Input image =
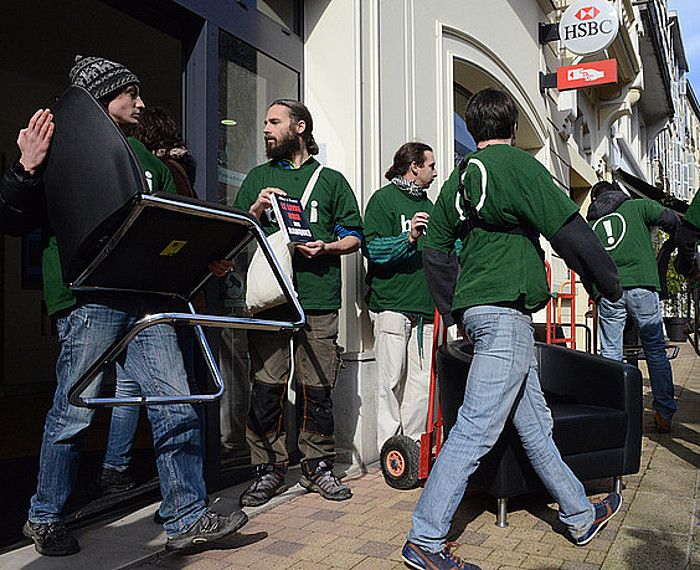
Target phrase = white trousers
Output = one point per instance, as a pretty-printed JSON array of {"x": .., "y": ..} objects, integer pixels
[{"x": 403, "y": 374}]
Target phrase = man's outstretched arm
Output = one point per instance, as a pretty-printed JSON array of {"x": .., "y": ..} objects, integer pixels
[{"x": 583, "y": 252}]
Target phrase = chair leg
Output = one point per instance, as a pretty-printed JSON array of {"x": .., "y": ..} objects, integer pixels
[
  {"x": 502, "y": 514},
  {"x": 617, "y": 482}
]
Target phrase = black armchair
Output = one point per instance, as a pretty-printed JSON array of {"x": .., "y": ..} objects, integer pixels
[{"x": 596, "y": 405}]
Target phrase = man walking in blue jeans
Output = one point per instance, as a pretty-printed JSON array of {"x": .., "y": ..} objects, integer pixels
[
  {"x": 624, "y": 227},
  {"x": 498, "y": 202},
  {"x": 89, "y": 323}
]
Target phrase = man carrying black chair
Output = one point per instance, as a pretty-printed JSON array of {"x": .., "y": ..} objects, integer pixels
[{"x": 87, "y": 324}]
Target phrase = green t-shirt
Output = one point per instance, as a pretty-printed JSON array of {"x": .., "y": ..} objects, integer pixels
[
  {"x": 56, "y": 293},
  {"x": 692, "y": 216},
  {"x": 398, "y": 284},
  {"x": 626, "y": 237},
  {"x": 331, "y": 204},
  {"x": 497, "y": 267}
]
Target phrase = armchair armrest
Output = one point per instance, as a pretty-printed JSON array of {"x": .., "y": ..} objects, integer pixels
[{"x": 574, "y": 377}]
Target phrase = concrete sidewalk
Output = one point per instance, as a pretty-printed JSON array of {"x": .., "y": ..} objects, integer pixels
[{"x": 657, "y": 528}]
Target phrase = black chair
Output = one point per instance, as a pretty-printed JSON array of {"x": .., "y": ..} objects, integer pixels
[
  {"x": 596, "y": 405},
  {"x": 113, "y": 235}
]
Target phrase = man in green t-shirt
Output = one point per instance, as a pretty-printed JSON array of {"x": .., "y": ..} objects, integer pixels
[
  {"x": 336, "y": 225},
  {"x": 499, "y": 201},
  {"x": 624, "y": 227},
  {"x": 400, "y": 304},
  {"x": 87, "y": 324}
]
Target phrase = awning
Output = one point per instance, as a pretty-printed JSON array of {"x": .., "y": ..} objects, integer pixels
[{"x": 645, "y": 190}]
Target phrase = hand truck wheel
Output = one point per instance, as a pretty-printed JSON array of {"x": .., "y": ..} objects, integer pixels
[{"x": 400, "y": 457}]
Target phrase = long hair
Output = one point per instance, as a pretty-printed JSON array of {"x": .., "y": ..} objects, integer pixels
[
  {"x": 158, "y": 132},
  {"x": 407, "y": 154},
  {"x": 299, "y": 112},
  {"x": 157, "y": 129}
]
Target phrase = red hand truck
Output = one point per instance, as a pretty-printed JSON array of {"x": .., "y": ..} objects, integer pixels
[{"x": 405, "y": 463}]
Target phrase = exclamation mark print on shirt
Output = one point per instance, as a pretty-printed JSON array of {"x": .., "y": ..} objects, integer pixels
[
  {"x": 314, "y": 212},
  {"x": 607, "y": 225},
  {"x": 149, "y": 180}
]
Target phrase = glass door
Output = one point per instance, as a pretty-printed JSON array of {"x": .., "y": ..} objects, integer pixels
[{"x": 249, "y": 81}]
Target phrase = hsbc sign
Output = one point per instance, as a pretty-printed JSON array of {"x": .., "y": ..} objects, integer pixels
[
  {"x": 588, "y": 26},
  {"x": 587, "y": 74}
]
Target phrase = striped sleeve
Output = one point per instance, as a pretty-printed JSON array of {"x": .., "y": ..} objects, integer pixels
[{"x": 389, "y": 250}]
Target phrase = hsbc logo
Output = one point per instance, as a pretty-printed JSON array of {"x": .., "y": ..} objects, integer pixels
[
  {"x": 588, "y": 26},
  {"x": 588, "y": 13}
]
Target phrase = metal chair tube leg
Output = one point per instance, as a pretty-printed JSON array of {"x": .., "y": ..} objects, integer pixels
[
  {"x": 617, "y": 482},
  {"x": 502, "y": 513}
]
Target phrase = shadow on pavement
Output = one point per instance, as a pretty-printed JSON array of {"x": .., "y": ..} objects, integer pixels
[{"x": 182, "y": 559}]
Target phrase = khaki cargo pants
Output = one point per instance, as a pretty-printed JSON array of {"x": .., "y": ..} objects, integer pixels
[{"x": 317, "y": 362}]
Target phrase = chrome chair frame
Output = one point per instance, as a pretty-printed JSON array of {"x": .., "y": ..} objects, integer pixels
[{"x": 192, "y": 318}]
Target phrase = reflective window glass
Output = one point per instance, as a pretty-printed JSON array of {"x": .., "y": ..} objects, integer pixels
[
  {"x": 284, "y": 12},
  {"x": 248, "y": 82}
]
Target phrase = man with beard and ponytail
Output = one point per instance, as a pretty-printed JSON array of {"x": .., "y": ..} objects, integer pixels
[
  {"x": 335, "y": 221},
  {"x": 399, "y": 300}
]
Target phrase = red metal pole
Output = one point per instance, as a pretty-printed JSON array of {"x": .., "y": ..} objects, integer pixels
[
  {"x": 438, "y": 423},
  {"x": 548, "y": 312},
  {"x": 573, "y": 310},
  {"x": 433, "y": 376}
]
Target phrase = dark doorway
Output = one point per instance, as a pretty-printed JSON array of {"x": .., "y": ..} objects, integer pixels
[{"x": 45, "y": 36}]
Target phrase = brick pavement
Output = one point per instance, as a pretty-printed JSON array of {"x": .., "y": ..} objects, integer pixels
[{"x": 657, "y": 527}]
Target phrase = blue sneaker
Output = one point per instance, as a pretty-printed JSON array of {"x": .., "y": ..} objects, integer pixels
[
  {"x": 416, "y": 557},
  {"x": 604, "y": 511}
]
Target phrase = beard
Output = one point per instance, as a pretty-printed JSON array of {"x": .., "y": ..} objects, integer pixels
[{"x": 284, "y": 148}]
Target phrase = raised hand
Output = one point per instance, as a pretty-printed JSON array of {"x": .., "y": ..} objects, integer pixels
[
  {"x": 419, "y": 225},
  {"x": 35, "y": 140}
]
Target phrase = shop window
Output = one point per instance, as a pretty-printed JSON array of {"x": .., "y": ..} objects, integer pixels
[
  {"x": 464, "y": 142},
  {"x": 248, "y": 82}
]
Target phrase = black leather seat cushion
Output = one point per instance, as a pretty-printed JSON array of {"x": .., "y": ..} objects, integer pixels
[{"x": 580, "y": 428}]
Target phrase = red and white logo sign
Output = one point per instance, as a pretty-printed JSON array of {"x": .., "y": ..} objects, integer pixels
[
  {"x": 587, "y": 13},
  {"x": 587, "y": 74},
  {"x": 588, "y": 26}
]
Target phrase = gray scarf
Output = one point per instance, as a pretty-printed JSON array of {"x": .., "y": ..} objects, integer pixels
[{"x": 408, "y": 186}]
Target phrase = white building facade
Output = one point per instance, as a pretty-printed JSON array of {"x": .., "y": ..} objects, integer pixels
[{"x": 402, "y": 70}]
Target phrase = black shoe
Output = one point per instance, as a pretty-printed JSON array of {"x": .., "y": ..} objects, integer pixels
[
  {"x": 51, "y": 539},
  {"x": 324, "y": 482},
  {"x": 269, "y": 480},
  {"x": 113, "y": 481},
  {"x": 210, "y": 527},
  {"x": 160, "y": 519}
]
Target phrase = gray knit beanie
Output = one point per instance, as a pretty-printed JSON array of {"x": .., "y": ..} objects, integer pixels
[{"x": 99, "y": 76}]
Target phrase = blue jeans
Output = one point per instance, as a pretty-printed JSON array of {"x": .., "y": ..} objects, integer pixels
[
  {"x": 644, "y": 308},
  {"x": 155, "y": 361},
  {"x": 503, "y": 383},
  {"x": 125, "y": 419},
  {"x": 123, "y": 425}
]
